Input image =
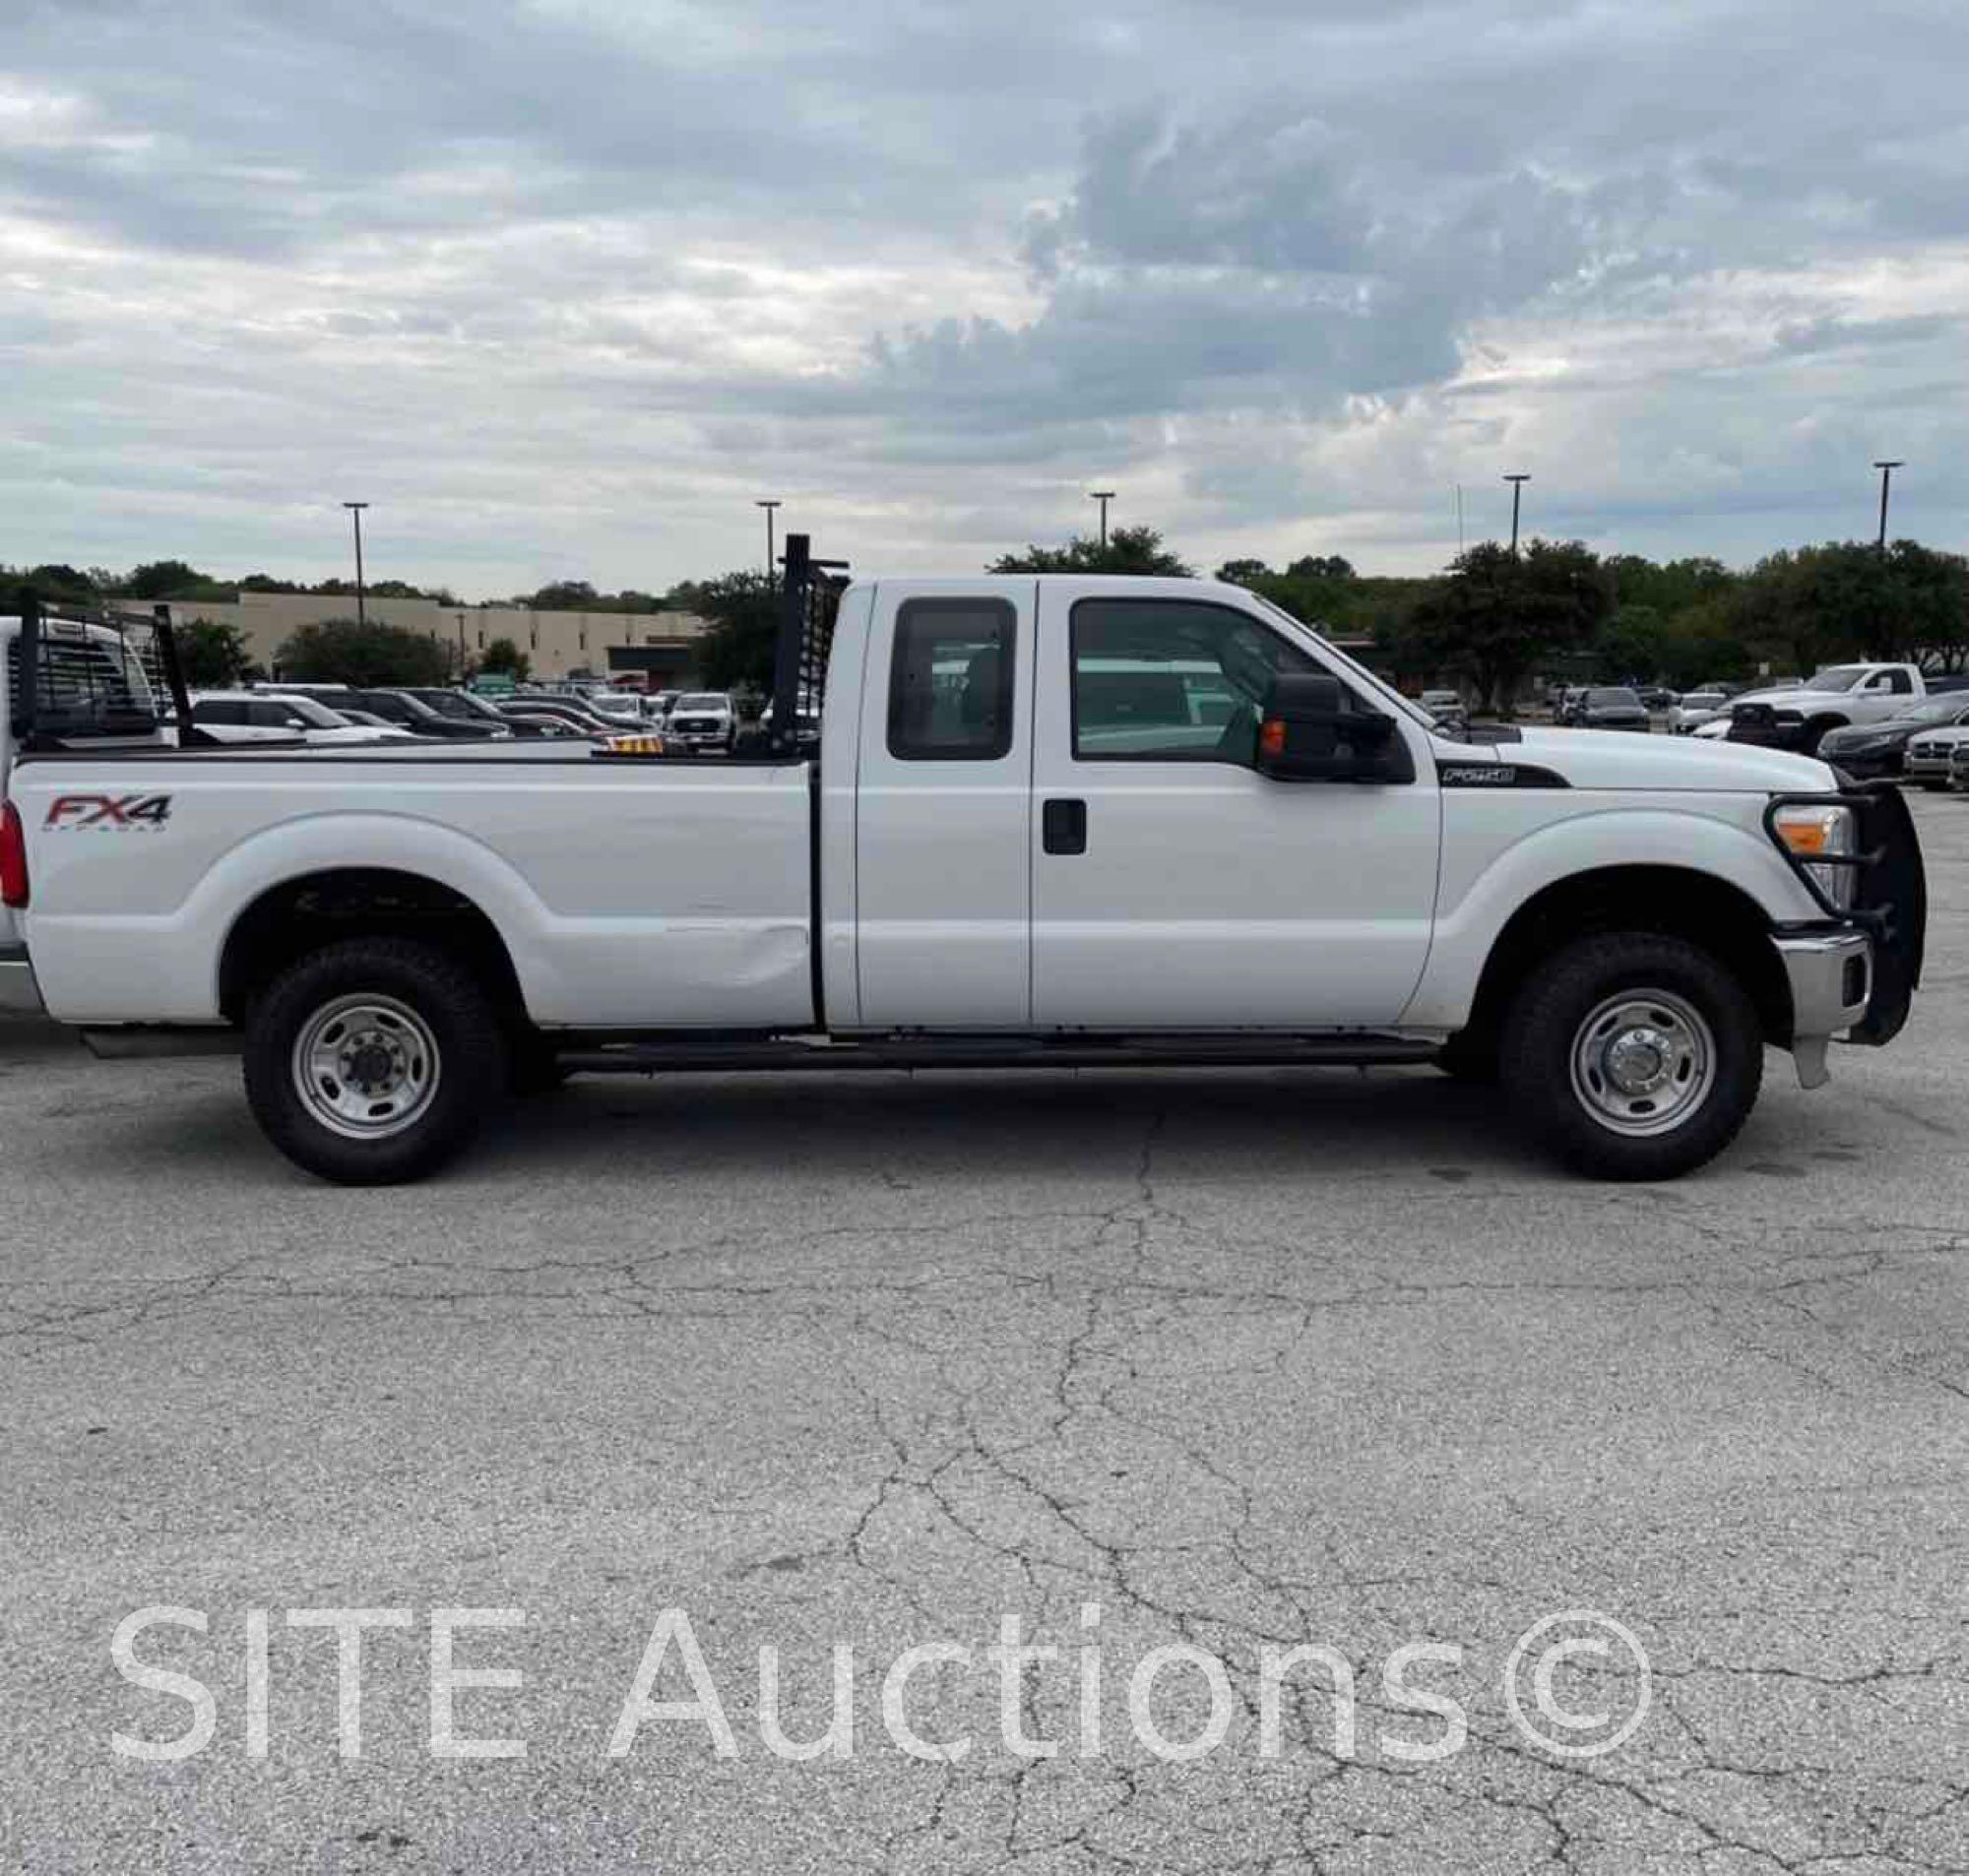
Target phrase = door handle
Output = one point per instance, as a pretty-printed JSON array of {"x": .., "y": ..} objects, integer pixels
[{"x": 1063, "y": 827}]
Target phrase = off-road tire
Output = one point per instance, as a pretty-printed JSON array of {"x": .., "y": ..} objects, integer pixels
[
  {"x": 1546, "y": 1021},
  {"x": 447, "y": 998}
]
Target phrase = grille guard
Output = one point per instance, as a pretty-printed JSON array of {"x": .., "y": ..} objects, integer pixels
[{"x": 1889, "y": 896}]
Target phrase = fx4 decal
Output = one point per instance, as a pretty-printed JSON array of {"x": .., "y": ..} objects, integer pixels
[{"x": 146, "y": 813}]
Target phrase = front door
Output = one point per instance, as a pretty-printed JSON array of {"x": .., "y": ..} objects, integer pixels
[{"x": 1175, "y": 887}]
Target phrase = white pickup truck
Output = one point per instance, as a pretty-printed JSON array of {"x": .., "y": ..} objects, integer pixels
[
  {"x": 1052, "y": 822},
  {"x": 1796, "y": 716}
]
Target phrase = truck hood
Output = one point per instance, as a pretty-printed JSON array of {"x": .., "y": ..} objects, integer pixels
[
  {"x": 1795, "y": 699},
  {"x": 1611, "y": 758}
]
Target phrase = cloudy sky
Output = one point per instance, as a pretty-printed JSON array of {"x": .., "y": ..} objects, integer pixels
[{"x": 562, "y": 285}]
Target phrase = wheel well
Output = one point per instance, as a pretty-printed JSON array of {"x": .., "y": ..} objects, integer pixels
[
  {"x": 303, "y": 915},
  {"x": 1674, "y": 901}
]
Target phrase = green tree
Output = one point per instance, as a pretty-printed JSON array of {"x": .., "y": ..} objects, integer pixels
[
  {"x": 170, "y": 579},
  {"x": 1244, "y": 572},
  {"x": 344, "y": 651},
  {"x": 503, "y": 656},
  {"x": 743, "y": 611},
  {"x": 212, "y": 657},
  {"x": 55, "y": 580},
  {"x": 1499, "y": 615},
  {"x": 1136, "y": 550}
]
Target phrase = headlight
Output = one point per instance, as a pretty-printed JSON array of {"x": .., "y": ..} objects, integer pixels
[{"x": 1807, "y": 830}]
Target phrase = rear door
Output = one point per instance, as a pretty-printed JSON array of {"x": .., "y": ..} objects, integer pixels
[
  {"x": 1175, "y": 887},
  {"x": 943, "y": 815}
]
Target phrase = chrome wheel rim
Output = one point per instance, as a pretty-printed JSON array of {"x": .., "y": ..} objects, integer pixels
[
  {"x": 1644, "y": 1062},
  {"x": 366, "y": 1067}
]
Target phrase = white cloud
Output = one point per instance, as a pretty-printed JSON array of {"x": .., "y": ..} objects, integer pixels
[{"x": 561, "y": 287}]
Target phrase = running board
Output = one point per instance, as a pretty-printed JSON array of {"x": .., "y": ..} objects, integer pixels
[{"x": 825, "y": 1054}]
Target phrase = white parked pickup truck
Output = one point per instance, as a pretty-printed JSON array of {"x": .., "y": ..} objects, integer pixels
[
  {"x": 1052, "y": 822},
  {"x": 1794, "y": 717}
]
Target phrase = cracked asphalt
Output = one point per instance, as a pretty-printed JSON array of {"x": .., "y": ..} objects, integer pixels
[{"x": 1242, "y": 1361}]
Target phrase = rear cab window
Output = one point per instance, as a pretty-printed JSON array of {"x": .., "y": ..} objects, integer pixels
[{"x": 950, "y": 680}]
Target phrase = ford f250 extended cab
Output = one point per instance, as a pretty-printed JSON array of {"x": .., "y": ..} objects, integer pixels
[{"x": 1050, "y": 822}]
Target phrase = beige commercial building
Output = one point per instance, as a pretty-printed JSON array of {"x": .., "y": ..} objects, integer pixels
[{"x": 665, "y": 645}]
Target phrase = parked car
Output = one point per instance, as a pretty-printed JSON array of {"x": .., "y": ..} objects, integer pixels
[
  {"x": 1695, "y": 708},
  {"x": 1027, "y": 865},
  {"x": 257, "y": 717},
  {"x": 1608, "y": 707},
  {"x": 1447, "y": 707},
  {"x": 411, "y": 713},
  {"x": 1929, "y": 761},
  {"x": 567, "y": 709},
  {"x": 702, "y": 719},
  {"x": 1959, "y": 767},
  {"x": 1867, "y": 751},
  {"x": 467, "y": 706},
  {"x": 1658, "y": 696}
]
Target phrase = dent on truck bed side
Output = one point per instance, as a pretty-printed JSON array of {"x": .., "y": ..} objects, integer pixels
[{"x": 1500, "y": 850}]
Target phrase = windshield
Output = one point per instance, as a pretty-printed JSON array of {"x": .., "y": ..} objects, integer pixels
[
  {"x": 1702, "y": 700},
  {"x": 315, "y": 716},
  {"x": 1612, "y": 700},
  {"x": 1837, "y": 677},
  {"x": 450, "y": 704},
  {"x": 703, "y": 699}
]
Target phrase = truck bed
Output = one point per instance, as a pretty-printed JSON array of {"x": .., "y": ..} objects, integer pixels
[{"x": 630, "y": 892}]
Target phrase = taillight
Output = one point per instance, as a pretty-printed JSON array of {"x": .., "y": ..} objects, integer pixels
[{"x": 13, "y": 858}]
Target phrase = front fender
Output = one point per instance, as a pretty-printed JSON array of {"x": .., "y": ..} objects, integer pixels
[{"x": 1492, "y": 864}]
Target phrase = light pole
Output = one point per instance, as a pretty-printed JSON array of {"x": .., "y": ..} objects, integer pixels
[
  {"x": 768, "y": 507},
  {"x": 1104, "y": 496},
  {"x": 1886, "y": 478},
  {"x": 355, "y": 515},
  {"x": 1517, "y": 483}
]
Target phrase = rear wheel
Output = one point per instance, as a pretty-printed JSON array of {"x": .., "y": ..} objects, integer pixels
[
  {"x": 1636, "y": 1055},
  {"x": 373, "y": 1061}
]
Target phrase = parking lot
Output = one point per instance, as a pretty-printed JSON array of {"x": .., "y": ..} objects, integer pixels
[{"x": 1241, "y": 1360}]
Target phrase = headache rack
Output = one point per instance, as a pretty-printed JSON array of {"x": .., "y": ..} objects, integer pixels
[
  {"x": 78, "y": 674},
  {"x": 809, "y": 600}
]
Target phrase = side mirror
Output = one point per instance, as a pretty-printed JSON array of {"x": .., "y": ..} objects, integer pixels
[{"x": 1310, "y": 734}]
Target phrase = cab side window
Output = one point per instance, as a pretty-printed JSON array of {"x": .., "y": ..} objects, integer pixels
[
  {"x": 950, "y": 680},
  {"x": 1171, "y": 680}
]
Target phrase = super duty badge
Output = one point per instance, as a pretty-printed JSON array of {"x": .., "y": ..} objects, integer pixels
[{"x": 1496, "y": 775}]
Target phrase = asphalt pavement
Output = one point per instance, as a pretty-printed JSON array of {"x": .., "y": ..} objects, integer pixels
[{"x": 1224, "y": 1364}]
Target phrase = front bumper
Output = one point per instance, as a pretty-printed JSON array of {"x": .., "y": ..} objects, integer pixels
[
  {"x": 20, "y": 994},
  {"x": 1864, "y": 765},
  {"x": 1831, "y": 977}
]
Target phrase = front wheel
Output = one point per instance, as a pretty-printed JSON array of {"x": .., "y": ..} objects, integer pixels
[
  {"x": 1638, "y": 1056},
  {"x": 373, "y": 1061}
]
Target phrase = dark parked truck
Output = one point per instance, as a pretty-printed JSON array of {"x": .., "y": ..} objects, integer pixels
[{"x": 1052, "y": 822}]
